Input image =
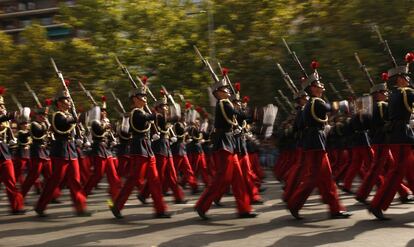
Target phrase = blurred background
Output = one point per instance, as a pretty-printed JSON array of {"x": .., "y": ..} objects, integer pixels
[{"x": 156, "y": 38}]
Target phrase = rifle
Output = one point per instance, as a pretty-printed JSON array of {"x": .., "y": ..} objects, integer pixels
[
  {"x": 295, "y": 58},
  {"x": 364, "y": 69},
  {"x": 207, "y": 65},
  {"x": 148, "y": 89},
  {"x": 286, "y": 99},
  {"x": 16, "y": 101},
  {"x": 88, "y": 94},
  {"x": 118, "y": 101},
  {"x": 126, "y": 71},
  {"x": 289, "y": 82},
  {"x": 279, "y": 103},
  {"x": 39, "y": 105},
  {"x": 336, "y": 92},
  {"x": 73, "y": 108},
  {"x": 343, "y": 79},
  {"x": 385, "y": 44},
  {"x": 134, "y": 85},
  {"x": 226, "y": 77}
]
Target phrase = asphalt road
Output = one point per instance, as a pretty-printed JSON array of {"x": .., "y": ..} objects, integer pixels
[{"x": 273, "y": 227}]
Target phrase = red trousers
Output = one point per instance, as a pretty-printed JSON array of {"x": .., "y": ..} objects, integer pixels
[
  {"x": 84, "y": 169},
  {"x": 294, "y": 176},
  {"x": 20, "y": 165},
  {"x": 210, "y": 165},
  {"x": 317, "y": 174},
  {"x": 344, "y": 161},
  {"x": 249, "y": 177},
  {"x": 361, "y": 161},
  {"x": 102, "y": 166},
  {"x": 168, "y": 178},
  {"x": 182, "y": 164},
  {"x": 199, "y": 165},
  {"x": 38, "y": 166},
  {"x": 228, "y": 173},
  {"x": 142, "y": 168},
  {"x": 66, "y": 171},
  {"x": 7, "y": 177},
  {"x": 282, "y": 164},
  {"x": 401, "y": 166},
  {"x": 123, "y": 165},
  {"x": 256, "y": 166}
]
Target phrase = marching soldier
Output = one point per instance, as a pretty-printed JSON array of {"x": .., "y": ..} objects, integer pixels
[
  {"x": 143, "y": 164},
  {"x": 316, "y": 162},
  {"x": 6, "y": 164},
  {"x": 22, "y": 155},
  {"x": 225, "y": 158},
  {"x": 400, "y": 138},
  {"x": 163, "y": 155},
  {"x": 39, "y": 151},
  {"x": 64, "y": 159},
  {"x": 101, "y": 154}
]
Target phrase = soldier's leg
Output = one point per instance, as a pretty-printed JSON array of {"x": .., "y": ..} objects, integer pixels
[
  {"x": 34, "y": 173},
  {"x": 113, "y": 178},
  {"x": 76, "y": 190},
  {"x": 99, "y": 165},
  {"x": 171, "y": 180},
  {"x": 151, "y": 174},
  {"x": 9, "y": 180}
]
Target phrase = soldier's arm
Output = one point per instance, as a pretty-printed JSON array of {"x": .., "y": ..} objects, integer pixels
[
  {"x": 6, "y": 117},
  {"x": 97, "y": 127}
]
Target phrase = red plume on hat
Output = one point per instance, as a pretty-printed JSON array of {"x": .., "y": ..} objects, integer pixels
[
  {"x": 384, "y": 76},
  {"x": 103, "y": 98},
  {"x": 205, "y": 115},
  {"x": 199, "y": 109},
  {"x": 246, "y": 99},
  {"x": 187, "y": 105},
  {"x": 162, "y": 92},
  {"x": 314, "y": 64},
  {"x": 67, "y": 82},
  {"x": 144, "y": 79},
  {"x": 237, "y": 86},
  {"x": 224, "y": 71},
  {"x": 409, "y": 57},
  {"x": 48, "y": 102},
  {"x": 2, "y": 90}
]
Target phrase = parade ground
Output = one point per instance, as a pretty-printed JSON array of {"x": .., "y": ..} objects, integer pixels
[{"x": 273, "y": 227}]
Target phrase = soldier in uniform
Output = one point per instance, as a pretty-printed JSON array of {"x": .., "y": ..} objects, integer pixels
[
  {"x": 225, "y": 158},
  {"x": 101, "y": 154},
  {"x": 143, "y": 164},
  {"x": 6, "y": 165},
  {"x": 400, "y": 138},
  {"x": 64, "y": 159},
  {"x": 163, "y": 155},
  {"x": 316, "y": 163},
  {"x": 39, "y": 151},
  {"x": 122, "y": 152},
  {"x": 22, "y": 155}
]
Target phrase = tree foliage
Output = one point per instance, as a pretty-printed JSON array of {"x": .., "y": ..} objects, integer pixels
[{"x": 156, "y": 38}]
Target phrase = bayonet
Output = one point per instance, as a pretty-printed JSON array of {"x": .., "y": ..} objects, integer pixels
[{"x": 364, "y": 69}]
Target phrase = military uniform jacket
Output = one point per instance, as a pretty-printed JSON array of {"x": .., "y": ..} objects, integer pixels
[
  {"x": 123, "y": 147},
  {"x": 63, "y": 124},
  {"x": 39, "y": 148},
  {"x": 298, "y": 126},
  {"x": 400, "y": 109},
  {"x": 140, "y": 128},
  {"x": 100, "y": 145},
  {"x": 195, "y": 146},
  {"x": 225, "y": 120},
  {"x": 379, "y": 117},
  {"x": 162, "y": 145},
  {"x": 178, "y": 148},
  {"x": 4, "y": 148},
  {"x": 360, "y": 126},
  {"x": 315, "y": 118},
  {"x": 23, "y": 144}
]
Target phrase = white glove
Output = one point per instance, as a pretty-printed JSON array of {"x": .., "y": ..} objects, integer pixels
[
  {"x": 237, "y": 131},
  {"x": 12, "y": 142},
  {"x": 173, "y": 139},
  {"x": 155, "y": 137},
  {"x": 79, "y": 142}
]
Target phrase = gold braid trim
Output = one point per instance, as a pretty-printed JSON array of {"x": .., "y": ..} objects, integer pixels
[
  {"x": 223, "y": 111},
  {"x": 56, "y": 129},
  {"x": 320, "y": 120},
  {"x": 405, "y": 100},
  {"x": 35, "y": 137},
  {"x": 381, "y": 109},
  {"x": 131, "y": 123}
]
